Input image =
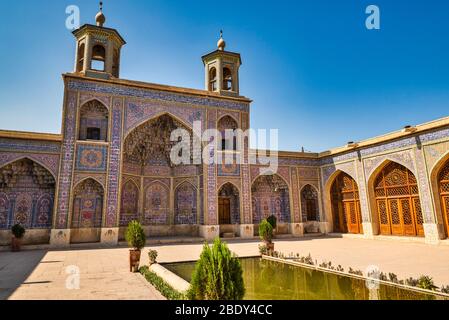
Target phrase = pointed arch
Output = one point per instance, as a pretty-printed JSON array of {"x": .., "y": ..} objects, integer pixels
[
  {"x": 93, "y": 121},
  {"x": 270, "y": 195},
  {"x": 224, "y": 124},
  {"x": 129, "y": 202},
  {"x": 157, "y": 115},
  {"x": 395, "y": 202},
  {"x": 228, "y": 204},
  {"x": 33, "y": 159},
  {"x": 156, "y": 203},
  {"x": 151, "y": 143},
  {"x": 309, "y": 196},
  {"x": 375, "y": 171},
  {"x": 186, "y": 206},
  {"x": 24, "y": 184},
  {"x": 343, "y": 210},
  {"x": 439, "y": 176},
  {"x": 88, "y": 203}
]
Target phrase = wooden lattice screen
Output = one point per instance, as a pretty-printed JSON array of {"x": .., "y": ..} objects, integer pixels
[
  {"x": 346, "y": 205},
  {"x": 398, "y": 204}
]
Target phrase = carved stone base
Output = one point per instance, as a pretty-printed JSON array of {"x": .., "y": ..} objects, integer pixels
[
  {"x": 60, "y": 238},
  {"x": 246, "y": 231},
  {"x": 296, "y": 229},
  {"x": 368, "y": 230},
  {"x": 432, "y": 233},
  {"x": 109, "y": 236},
  {"x": 209, "y": 233},
  {"x": 324, "y": 227}
]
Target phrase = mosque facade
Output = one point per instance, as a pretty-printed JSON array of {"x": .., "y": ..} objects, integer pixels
[{"x": 113, "y": 163}]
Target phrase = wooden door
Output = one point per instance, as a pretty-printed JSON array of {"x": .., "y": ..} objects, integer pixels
[
  {"x": 443, "y": 179},
  {"x": 346, "y": 205},
  {"x": 445, "y": 210},
  {"x": 224, "y": 210},
  {"x": 352, "y": 216},
  {"x": 395, "y": 219},
  {"x": 398, "y": 204}
]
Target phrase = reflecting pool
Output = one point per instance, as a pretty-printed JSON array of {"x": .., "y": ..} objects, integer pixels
[{"x": 270, "y": 280}]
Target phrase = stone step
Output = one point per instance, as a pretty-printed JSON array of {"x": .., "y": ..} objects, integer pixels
[{"x": 228, "y": 235}]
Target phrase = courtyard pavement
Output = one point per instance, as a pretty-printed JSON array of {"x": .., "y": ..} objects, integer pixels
[{"x": 104, "y": 273}]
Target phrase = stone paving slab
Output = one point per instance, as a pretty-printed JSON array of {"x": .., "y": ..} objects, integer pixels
[
  {"x": 104, "y": 273},
  {"x": 42, "y": 275}
]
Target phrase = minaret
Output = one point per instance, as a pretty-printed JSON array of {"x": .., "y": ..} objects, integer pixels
[
  {"x": 222, "y": 70},
  {"x": 98, "y": 49}
]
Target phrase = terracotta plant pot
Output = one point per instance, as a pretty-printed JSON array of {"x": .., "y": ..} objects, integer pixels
[
  {"x": 134, "y": 260},
  {"x": 15, "y": 244},
  {"x": 270, "y": 248}
]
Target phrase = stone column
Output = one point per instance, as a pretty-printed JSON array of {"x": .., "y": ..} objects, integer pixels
[
  {"x": 110, "y": 230},
  {"x": 246, "y": 226},
  {"x": 210, "y": 229},
  {"x": 367, "y": 221},
  {"x": 296, "y": 227},
  {"x": 60, "y": 234},
  {"x": 432, "y": 233},
  {"x": 88, "y": 54},
  {"x": 109, "y": 57}
]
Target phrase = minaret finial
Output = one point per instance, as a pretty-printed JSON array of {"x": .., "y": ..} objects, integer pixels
[
  {"x": 221, "y": 43},
  {"x": 100, "y": 18}
]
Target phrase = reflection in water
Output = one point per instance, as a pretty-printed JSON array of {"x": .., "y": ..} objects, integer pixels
[{"x": 269, "y": 280}]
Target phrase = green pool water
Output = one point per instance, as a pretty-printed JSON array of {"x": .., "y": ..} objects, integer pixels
[{"x": 269, "y": 280}]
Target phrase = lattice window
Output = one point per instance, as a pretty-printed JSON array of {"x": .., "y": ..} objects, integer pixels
[
  {"x": 419, "y": 218},
  {"x": 394, "y": 210},
  {"x": 406, "y": 212},
  {"x": 444, "y": 174},
  {"x": 383, "y": 211}
]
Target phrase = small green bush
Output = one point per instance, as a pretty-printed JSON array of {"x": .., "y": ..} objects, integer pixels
[
  {"x": 356, "y": 272},
  {"x": 411, "y": 282},
  {"x": 263, "y": 250},
  {"x": 265, "y": 231},
  {"x": 163, "y": 287},
  {"x": 218, "y": 275},
  {"x": 426, "y": 282},
  {"x": 272, "y": 220},
  {"x": 152, "y": 256},
  {"x": 445, "y": 289},
  {"x": 18, "y": 231},
  {"x": 135, "y": 236}
]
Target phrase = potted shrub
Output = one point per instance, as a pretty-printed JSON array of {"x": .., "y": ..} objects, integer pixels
[
  {"x": 17, "y": 234},
  {"x": 266, "y": 234},
  {"x": 152, "y": 256},
  {"x": 135, "y": 236},
  {"x": 273, "y": 221}
]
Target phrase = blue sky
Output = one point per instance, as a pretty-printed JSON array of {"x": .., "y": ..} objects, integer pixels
[{"x": 312, "y": 68}]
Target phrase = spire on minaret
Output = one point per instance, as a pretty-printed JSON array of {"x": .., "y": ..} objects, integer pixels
[
  {"x": 100, "y": 18},
  {"x": 221, "y": 43}
]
